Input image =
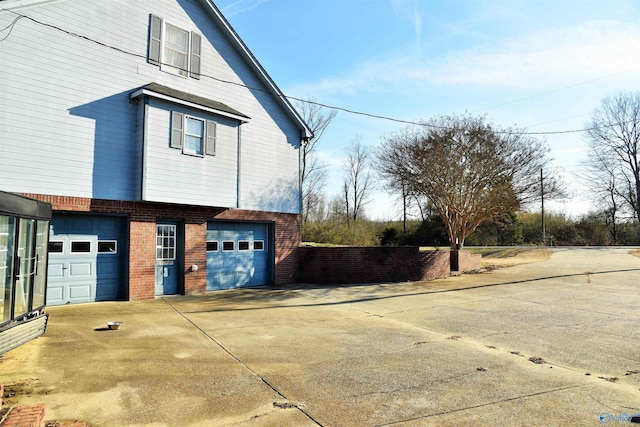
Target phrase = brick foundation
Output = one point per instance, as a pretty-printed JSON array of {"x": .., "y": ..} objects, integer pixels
[{"x": 142, "y": 218}]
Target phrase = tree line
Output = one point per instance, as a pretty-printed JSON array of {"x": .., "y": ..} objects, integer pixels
[{"x": 470, "y": 180}]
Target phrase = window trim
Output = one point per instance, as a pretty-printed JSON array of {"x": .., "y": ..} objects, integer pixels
[
  {"x": 157, "y": 43},
  {"x": 166, "y": 65},
  {"x": 56, "y": 252},
  {"x": 115, "y": 242},
  {"x": 217, "y": 249},
  {"x": 72, "y": 252},
  {"x": 248, "y": 244},
  {"x": 208, "y": 141},
  {"x": 201, "y": 138},
  {"x": 254, "y": 245},
  {"x": 233, "y": 245}
]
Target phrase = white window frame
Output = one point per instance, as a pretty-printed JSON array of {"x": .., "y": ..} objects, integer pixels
[
  {"x": 72, "y": 252},
  {"x": 217, "y": 246},
  {"x": 158, "y": 33},
  {"x": 254, "y": 245},
  {"x": 179, "y": 134},
  {"x": 115, "y": 246},
  {"x": 201, "y": 137},
  {"x": 166, "y": 64}
]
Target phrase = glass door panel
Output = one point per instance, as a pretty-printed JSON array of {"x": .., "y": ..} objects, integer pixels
[
  {"x": 26, "y": 258},
  {"x": 7, "y": 247},
  {"x": 40, "y": 276}
]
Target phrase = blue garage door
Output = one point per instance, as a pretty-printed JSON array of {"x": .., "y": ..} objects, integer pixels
[
  {"x": 85, "y": 259},
  {"x": 238, "y": 255}
]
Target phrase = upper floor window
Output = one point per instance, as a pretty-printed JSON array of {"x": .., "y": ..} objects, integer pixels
[
  {"x": 193, "y": 135},
  {"x": 174, "y": 49}
]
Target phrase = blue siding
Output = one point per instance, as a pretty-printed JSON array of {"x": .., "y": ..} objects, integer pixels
[{"x": 71, "y": 117}]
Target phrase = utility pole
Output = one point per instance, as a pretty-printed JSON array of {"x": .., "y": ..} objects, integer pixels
[{"x": 544, "y": 233}]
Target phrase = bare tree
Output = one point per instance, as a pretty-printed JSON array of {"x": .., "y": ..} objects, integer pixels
[
  {"x": 389, "y": 162},
  {"x": 469, "y": 170},
  {"x": 313, "y": 174},
  {"x": 358, "y": 181},
  {"x": 613, "y": 161},
  {"x": 598, "y": 173}
]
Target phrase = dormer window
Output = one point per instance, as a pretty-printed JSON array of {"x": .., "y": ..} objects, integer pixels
[
  {"x": 174, "y": 49},
  {"x": 193, "y": 135}
]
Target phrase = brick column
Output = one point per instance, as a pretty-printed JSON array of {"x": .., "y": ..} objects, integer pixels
[
  {"x": 195, "y": 253},
  {"x": 142, "y": 259}
]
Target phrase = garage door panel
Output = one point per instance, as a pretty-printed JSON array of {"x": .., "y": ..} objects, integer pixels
[
  {"x": 80, "y": 269},
  {"x": 80, "y": 292},
  {"x": 55, "y": 295},
  {"x": 54, "y": 269},
  {"x": 243, "y": 265}
]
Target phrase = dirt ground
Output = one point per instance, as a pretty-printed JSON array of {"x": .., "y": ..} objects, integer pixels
[{"x": 521, "y": 257}]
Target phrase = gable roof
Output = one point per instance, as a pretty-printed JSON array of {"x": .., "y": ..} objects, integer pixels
[
  {"x": 230, "y": 33},
  {"x": 216, "y": 15}
]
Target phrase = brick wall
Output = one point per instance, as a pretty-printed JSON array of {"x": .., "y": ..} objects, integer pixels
[
  {"x": 371, "y": 264},
  {"x": 468, "y": 261},
  {"x": 142, "y": 217}
]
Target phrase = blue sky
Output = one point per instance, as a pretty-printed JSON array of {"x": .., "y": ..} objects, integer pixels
[{"x": 543, "y": 65}]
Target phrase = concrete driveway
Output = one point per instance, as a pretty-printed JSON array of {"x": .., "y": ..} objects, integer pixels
[{"x": 548, "y": 343}]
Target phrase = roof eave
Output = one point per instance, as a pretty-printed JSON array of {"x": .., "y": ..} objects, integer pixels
[{"x": 305, "y": 132}]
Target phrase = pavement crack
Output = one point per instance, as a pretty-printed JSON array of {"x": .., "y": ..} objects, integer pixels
[
  {"x": 483, "y": 405},
  {"x": 241, "y": 363}
]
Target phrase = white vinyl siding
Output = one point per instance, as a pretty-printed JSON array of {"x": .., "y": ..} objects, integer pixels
[
  {"x": 79, "y": 97},
  {"x": 211, "y": 180}
]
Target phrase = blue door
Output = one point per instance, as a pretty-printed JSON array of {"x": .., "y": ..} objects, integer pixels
[
  {"x": 238, "y": 255},
  {"x": 85, "y": 259},
  {"x": 167, "y": 265}
]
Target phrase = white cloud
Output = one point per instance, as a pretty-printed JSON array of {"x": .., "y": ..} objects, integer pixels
[
  {"x": 241, "y": 6},
  {"x": 544, "y": 59},
  {"x": 548, "y": 59}
]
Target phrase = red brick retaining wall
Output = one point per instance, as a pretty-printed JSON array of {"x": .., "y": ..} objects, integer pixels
[{"x": 371, "y": 264}]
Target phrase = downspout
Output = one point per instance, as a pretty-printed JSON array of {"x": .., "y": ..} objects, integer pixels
[
  {"x": 145, "y": 113},
  {"x": 239, "y": 169},
  {"x": 303, "y": 141}
]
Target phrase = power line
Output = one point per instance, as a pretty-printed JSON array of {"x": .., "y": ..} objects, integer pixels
[{"x": 282, "y": 95}]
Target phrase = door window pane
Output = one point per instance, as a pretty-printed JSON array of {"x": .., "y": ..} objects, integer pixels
[
  {"x": 165, "y": 242},
  {"x": 26, "y": 257},
  {"x": 83, "y": 247},
  {"x": 56, "y": 247},
  {"x": 107, "y": 247},
  {"x": 7, "y": 246},
  {"x": 212, "y": 246},
  {"x": 243, "y": 245},
  {"x": 42, "y": 236},
  {"x": 227, "y": 246}
]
